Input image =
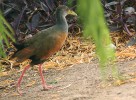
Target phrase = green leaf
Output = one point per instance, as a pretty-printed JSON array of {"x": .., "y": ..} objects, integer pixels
[
  {"x": 6, "y": 33},
  {"x": 94, "y": 25}
]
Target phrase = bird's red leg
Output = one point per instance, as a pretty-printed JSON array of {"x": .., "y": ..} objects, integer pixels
[
  {"x": 45, "y": 86},
  {"x": 20, "y": 79}
]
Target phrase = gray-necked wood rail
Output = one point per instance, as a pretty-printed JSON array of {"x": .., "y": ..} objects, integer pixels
[{"x": 44, "y": 44}]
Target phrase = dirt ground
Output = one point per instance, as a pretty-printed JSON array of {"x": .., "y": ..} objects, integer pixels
[{"x": 79, "y": 82}]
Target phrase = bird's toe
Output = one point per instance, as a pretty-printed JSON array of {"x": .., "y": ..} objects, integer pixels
[
  {"x": 20, "y": 92},
  {"x": 47, "y": 87}
]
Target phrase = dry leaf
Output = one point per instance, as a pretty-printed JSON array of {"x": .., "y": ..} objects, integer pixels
[
  {"x": 132, "y": 80},
  {"x": 119, "y": 82},
  {"x": 5, "y": 83},
  {"x": 31, "y": 83},
  {"x": 3, "y": 74}
]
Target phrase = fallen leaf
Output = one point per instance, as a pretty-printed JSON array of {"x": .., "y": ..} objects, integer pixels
[
  {"x": 31, "y": 83},
  {"x": 5, "y": 83},
  {"x": 3, "y": 74},
  {"x": 119, "y": 82}
]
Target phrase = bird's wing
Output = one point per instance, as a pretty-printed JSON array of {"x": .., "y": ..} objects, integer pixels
[{"x": 23, "y": 54}]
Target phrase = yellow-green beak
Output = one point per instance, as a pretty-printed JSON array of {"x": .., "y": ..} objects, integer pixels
[{"x": 71, "y": 12}]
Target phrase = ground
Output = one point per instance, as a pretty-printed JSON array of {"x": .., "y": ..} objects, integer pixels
[{"x": 78, "y": 82}]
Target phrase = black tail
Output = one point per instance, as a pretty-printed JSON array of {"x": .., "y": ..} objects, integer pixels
[{"x": 19, "y": 46}]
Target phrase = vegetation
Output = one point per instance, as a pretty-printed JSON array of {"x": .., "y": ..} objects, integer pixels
[
  {"x": 6, "y": 33},
  {"x": 95, "y": 26},
  {"x": 101, "y": 33},
  {"x": 28, "y": 16}
]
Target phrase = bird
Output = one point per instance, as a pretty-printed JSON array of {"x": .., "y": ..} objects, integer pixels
[{"x": 43, "y": 45}]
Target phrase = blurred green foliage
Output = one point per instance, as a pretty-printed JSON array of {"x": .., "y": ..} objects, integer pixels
[
  {"x": 6, "y": 33},
  {"x": 94, "y": 24},
  {"x": 92, "y": 16}
]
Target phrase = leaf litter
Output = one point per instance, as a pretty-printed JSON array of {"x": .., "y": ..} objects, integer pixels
[{"x": 78, "y": 50}]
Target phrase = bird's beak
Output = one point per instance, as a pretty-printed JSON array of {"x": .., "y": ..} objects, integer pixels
[{"x": 71, "y": 12}]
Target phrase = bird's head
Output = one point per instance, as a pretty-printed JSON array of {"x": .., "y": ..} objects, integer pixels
[{"x": 64, "y": 10}]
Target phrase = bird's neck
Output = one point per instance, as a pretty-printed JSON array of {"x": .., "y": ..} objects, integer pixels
[{"x": 62, "y": 22}]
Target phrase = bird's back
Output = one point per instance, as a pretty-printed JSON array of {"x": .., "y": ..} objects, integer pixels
[{"x": 42, "y": 45}]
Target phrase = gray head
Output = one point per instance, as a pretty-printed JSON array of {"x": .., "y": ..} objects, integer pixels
[{"x": 64, "y": 10}]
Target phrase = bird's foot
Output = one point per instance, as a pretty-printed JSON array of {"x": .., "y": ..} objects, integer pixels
[
  {"x": 46, "y": 87},
  {"x": 20, "y": 92}
]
